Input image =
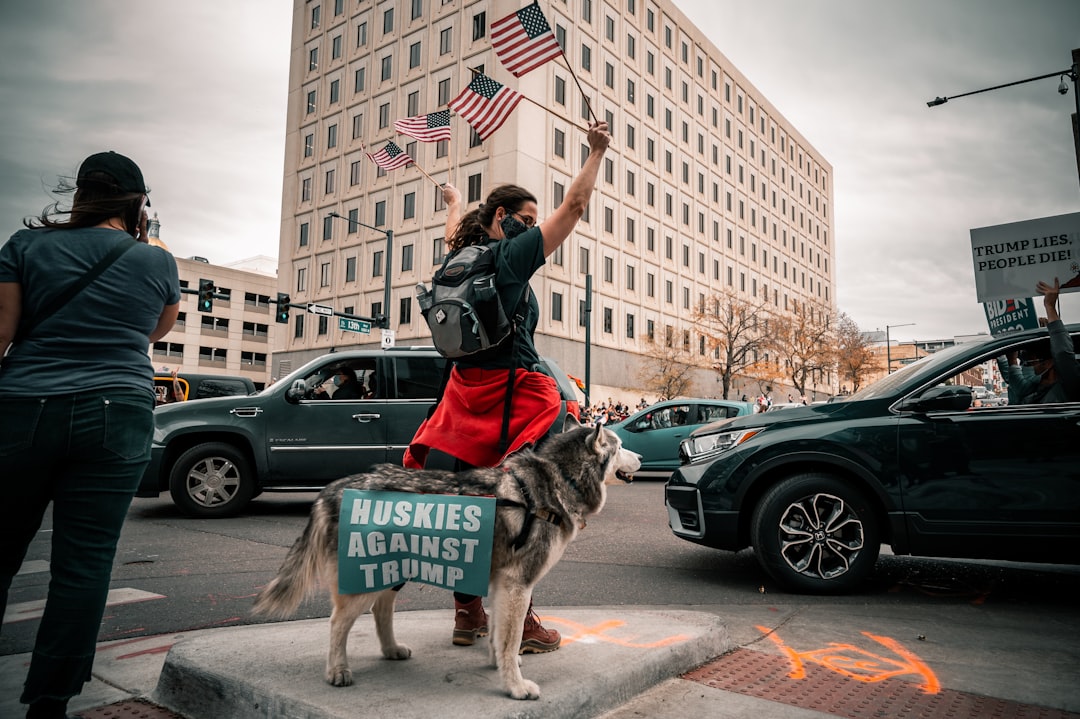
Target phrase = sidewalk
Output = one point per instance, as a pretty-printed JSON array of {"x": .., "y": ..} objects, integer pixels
[{"x": 795, "y": 662}]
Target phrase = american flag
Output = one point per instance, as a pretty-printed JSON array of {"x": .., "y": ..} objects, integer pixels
[
  {"x": 485, "y": 104},
  {"x": 523, "y": 40},
  {"x": 432, "y": 127},
  {"x": 390, "y": 157}
]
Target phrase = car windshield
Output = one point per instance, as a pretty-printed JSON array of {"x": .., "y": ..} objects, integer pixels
[{"x": 888, "y": 385}]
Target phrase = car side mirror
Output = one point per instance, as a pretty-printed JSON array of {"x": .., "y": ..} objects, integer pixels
[
  {"x": 297, "y": 392},
  {"x": 950, "y": 398}
]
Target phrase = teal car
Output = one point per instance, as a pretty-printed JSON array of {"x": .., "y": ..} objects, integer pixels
[{"x": 655, "y": 432}]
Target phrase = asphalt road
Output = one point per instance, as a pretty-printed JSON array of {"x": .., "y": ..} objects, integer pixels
[{"x": 205, "y": 573}]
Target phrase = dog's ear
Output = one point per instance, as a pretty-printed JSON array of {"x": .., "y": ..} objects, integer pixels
[
  {"x": 596, "y": 438},
  {"x": 570, "y": 422}
]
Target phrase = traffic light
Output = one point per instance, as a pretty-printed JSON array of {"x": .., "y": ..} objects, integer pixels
[
  {"x": 282, "y": 307},
  {"x": 206, "y": 295}
]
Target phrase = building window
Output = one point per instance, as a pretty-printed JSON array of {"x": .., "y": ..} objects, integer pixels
[
  {"x": 414, "y": 55},
  {"x": 350, "y": 269},
  {"x": 586, "y": 57},
  {"x": 359, "y": 79},
  {"x": 410, "y": 206},
  {"x": 384, "y": 115},
  {"x": 335, "y": 48},
  {"x": 377, "y": 264},
  {"x": 354, "y": 221},
  {"x": 298, "y": 326},
  {"x": 479, "y": 25},
  {"x": 629, "y": 326},
  {"x": 446, "y": 40},
  {"x": 309, "y": 145},
  {"x": 354, "y": 173},
  {"x": 438, "y": 250},
  {"x": 556, "y": 307},
  {"x": 316, "y": 12},
  {"x": 331, "y": 136},
  {"x": 324, "y": 274},
  {"x": 417, "y": 9},
  {"x": 324, "y": 325},
  {"x": 388, "y": 21},
  {"x": 305, "y": 232},
  {"x": 329, "y": 181},
  {"x": 405, "y": 311},
  {"x": 305, "y": 190},
  {"x": 361, "y": 34},
  {"x": 407, "y": 258},
  {"x": 327, "y": 228},
  {"x": 560, "y": 143},
  {"x": 311, "y": 101},
  {"x": 335, "y": 90},
  {"x": 560, "y": 91},
  {"x": 443, "y": 92},
  {"x": 387, "y": 68},
  {"x": 608, "y": 320},
  {"x": 582, "y": 316},
  {"x": 313, "y": 59},
  {"x": 380, "y": 213},
  {"x": 301, "y": 280},
  {"x": 474, "y": 188}
]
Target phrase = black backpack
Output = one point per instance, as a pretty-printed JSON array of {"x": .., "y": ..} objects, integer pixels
[{"x": 463, "y": 310}]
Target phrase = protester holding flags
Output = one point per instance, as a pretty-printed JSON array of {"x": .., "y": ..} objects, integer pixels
[{"x": 467, "y": 424}]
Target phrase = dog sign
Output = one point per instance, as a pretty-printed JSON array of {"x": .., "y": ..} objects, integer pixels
[{"x": 387, "y": 538}]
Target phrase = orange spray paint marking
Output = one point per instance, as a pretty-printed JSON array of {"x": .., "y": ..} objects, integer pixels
[
  {"x": 599, "y": 632},
  {"x": 859, "y": 664}
]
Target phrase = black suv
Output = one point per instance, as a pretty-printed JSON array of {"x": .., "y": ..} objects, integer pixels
[
  {"x": 910, "y": 461},
  {"x": 215, "y": 455}
]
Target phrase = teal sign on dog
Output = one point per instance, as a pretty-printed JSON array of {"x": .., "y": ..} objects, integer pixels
[{"x": 386, "y": 538}]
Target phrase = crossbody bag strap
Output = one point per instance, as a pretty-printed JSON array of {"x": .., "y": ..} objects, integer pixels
[{"x": 78, "y": 285}]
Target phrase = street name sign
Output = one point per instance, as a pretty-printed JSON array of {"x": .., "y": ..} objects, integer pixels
[
  {"x": 319, "y": 309},
  {"x": 347, "y": 325}
]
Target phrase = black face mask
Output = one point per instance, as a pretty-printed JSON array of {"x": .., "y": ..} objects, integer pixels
[{"x": 512, "y": 226}]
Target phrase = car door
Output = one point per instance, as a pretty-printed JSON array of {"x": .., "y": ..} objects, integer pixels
[
  {"x": 315, "y": 441},
  {"x": 413, "y": 383},
  {"x": 995, "y": 481}
]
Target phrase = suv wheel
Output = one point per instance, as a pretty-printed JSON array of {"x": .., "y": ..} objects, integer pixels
[
  {"x": 211, "y": 480},
  {"x": 814, "y": 533}
]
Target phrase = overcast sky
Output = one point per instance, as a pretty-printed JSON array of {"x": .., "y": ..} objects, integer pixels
[{"x": 195, "y": 92}]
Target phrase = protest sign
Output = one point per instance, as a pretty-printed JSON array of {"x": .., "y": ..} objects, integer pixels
[
  {"x": 387, "y": 538},
  {"x": 1010, "y": 259},
  {"x": 1013, "y": 315}
]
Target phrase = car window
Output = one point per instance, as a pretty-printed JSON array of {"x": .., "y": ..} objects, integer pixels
[
  {"x": 219, "y": 388},
  {"x": 713, "y": 412},
  {"x": 418, "y": 377}
]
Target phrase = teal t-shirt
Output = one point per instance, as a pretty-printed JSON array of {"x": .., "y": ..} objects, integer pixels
[{"x": 100, "y": 338}]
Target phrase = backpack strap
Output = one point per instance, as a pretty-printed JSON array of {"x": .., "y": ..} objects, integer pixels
[{"x": 77, "y": 286}]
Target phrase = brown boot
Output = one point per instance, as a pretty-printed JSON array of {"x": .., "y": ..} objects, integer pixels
[
  {"x": 470, "y": 622},
  {"x": 535, "y": 639}
]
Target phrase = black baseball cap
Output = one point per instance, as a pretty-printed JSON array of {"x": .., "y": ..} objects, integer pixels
[{"x": 122, "y": 170}]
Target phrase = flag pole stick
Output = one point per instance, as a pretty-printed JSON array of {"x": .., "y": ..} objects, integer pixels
[
  {"x": 580, "y": 88},
  {"x": 425, "y": 174}
]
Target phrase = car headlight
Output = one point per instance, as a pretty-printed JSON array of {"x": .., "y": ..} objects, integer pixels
[{"x": 695, "y": 448}]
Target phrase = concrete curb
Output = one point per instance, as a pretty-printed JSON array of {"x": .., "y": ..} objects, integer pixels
[{"x": 608, "y": 656}]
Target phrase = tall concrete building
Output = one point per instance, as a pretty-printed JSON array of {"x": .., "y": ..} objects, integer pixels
[{"x": 706, "y": 186}]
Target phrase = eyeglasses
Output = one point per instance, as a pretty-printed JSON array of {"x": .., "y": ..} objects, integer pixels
[{"x": 525, "y": 219}]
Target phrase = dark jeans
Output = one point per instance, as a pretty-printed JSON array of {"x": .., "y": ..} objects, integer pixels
[{"x": 85, "y": 453}]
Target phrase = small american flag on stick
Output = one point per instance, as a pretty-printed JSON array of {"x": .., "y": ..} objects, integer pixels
[
  {"x": 390, "y": 157},
  {"x": 432, "y": 127},
  {"x": 523, "y": 40},
  {"x": 485, "y": 104}
]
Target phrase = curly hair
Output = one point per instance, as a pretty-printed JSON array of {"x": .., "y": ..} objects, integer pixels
[{"x": 471, "y": 228}]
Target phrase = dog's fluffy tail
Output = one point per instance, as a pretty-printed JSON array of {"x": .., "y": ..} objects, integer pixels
[{"x": 299, "y": 573}]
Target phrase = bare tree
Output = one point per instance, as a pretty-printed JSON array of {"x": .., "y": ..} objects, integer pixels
[
  {"x": 855, "y": 358},
  {"x": 803, "y": 343},
  {"x": 668, "y": 374},
  {"x": 732, "y": 329}
]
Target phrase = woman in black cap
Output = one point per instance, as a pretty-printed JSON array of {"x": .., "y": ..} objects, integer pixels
[{"x": 82, "y": 295}]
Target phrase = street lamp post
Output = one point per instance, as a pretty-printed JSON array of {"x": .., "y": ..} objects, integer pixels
[
  {"x": 1072, "y": 72},
  {"x": 386, "y": 279},
  {"x": 888, "y": 345}
]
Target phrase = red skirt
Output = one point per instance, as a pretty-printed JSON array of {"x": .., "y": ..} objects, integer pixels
[{"x": 467, "y": 423}]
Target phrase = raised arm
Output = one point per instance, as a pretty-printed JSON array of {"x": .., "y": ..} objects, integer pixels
[
  {"x": 452, "y": 198},
  {"x": 560, "y": 223}
]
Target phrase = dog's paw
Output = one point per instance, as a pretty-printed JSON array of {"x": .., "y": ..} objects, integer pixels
[
  {"x": 339, "y": 677},
  {"x": 526, "y": 690},
  {"x": 397, "y": 652}
]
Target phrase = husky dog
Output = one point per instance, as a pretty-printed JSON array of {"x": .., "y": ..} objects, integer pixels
[{"x": 543, "y": 497}]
